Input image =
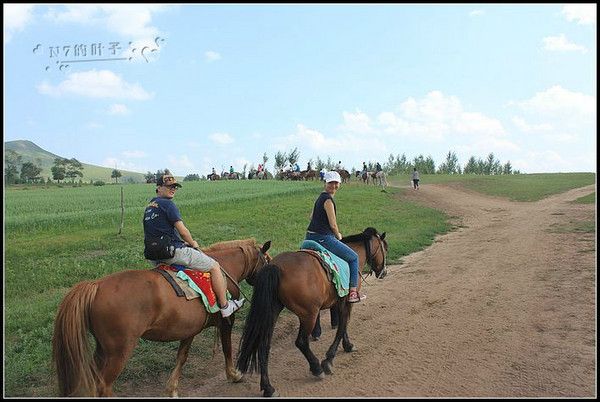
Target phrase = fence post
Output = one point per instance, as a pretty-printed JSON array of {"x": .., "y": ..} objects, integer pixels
[{"x": 122, "y": 211}]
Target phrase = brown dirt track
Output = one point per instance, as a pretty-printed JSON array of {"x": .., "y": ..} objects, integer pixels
[{"x": 505, "y": 306}]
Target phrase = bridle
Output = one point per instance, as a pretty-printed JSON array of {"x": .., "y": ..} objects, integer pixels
[
  {"x": 262, "y": 258},
  {"x": 381, "y": 272}
]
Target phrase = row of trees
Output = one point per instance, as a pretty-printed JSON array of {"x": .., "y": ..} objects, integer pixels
[{"x": 489, "y": 166}]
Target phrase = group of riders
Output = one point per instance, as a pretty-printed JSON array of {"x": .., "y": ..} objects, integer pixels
[{"x": 293, "y": 172}]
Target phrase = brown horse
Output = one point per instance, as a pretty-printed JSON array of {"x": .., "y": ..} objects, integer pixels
[
  {"x": 125, "y": 306},
  {"x": 309, "y": 174},
  {"x": 297, "y": 281},
  {"x": 344, "y": 174}
]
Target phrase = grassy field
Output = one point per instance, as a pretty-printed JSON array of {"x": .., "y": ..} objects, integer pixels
[
  {"x": 56, "y": 237},
  {"x": 522, "y": 187}
]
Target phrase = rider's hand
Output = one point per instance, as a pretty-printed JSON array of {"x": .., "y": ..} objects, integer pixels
[
  {"x": 339, "y": 236},
  {"x": 195, "y": 245}
]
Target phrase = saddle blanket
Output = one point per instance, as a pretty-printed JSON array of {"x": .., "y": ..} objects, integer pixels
[
  {"x": 193, "y": 284},
  {"x": 339, "y": 268}
]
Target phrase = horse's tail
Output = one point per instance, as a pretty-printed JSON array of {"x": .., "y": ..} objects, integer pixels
[
  {"x": 76, "y": 370},
  {"x": 260, "y": 322}
]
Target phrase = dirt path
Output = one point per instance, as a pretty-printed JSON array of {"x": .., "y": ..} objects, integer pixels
[{"x": 504, "y": 306}]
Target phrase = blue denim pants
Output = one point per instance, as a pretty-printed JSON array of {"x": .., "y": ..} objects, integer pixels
[{"x": 331, "y": 243}]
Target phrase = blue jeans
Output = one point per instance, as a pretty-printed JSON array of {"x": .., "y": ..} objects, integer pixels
[{"x": 331, "y": 243}]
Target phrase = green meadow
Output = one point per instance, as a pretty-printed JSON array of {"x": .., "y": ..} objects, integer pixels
[{"x": 57, "y": 237}]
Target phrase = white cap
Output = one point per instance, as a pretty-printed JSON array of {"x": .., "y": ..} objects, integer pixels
[{"x": 332, "y": 176}]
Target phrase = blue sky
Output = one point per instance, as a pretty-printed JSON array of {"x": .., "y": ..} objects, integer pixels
[{"x": 220, "y": 85}]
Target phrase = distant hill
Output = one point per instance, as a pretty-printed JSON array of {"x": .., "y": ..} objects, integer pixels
[{"x": 30, "y": 152}]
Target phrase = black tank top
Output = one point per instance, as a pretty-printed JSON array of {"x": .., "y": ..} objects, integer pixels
[{"x": 319, "y": 222}]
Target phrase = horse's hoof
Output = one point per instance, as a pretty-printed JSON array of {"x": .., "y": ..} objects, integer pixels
[
  {"x": 237, "y": 376},
  {"x": 327, "y": 367},
  {"x": 320, "y": 375},
  {"x": 349, "y": 349},
  {"x": 271, "y": 393}
]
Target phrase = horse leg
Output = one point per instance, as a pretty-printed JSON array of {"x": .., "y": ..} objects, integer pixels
[
  {"x": 226, "y": 324},
  {"x": 343, "y": 310},
  {"x": 182, "y": 355},
  {"x": 306, "y": 326},
  {"x": 112, "y": 359}
]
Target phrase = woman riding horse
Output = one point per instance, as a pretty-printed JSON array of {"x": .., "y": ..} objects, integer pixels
[
  {"x": 297, "y": 281},
  {"x": 121, "y": 308}
]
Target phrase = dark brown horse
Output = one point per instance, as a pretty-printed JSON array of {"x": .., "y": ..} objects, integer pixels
[
  {"x": 309, "y": 174},
  {"x": 344, "y": 174},
  {"x": 297, "y": 281},
  {"x": 125, "y": 306}
]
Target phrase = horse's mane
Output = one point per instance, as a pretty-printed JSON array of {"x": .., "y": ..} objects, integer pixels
[
  {"x": 365, "y": 235},
  {"x": 251, "y": 242}
]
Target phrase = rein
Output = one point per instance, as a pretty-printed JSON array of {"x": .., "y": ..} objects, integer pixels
[{"x": 258, "y": 260}]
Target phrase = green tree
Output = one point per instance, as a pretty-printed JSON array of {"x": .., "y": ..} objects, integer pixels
[
  {"x": 293, "y": 156},
  {"x": 450, "y": 166},
  {"x": 191, "y": 177},
  {"x": 507, "y": 168},
  {"x": 471, "y": 166},
  {"x": 265, "y": 159},
  {"x": 12, "y": 161},
  {"x": 280, "y": 159},
  {"x": 74, "y": 168},
  {"x": 150, "y": 177},
  {"x": 58, "y": 172},
  {"x": 115, "y": 175},
  {"x": 30, "y": 172}
]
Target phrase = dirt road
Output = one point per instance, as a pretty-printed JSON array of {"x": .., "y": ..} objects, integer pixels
[{"x": 502, "y": 307}]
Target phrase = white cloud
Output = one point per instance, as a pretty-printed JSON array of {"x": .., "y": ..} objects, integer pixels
[
  {"x": 551, "y": 161},
  {"x": 357, "y": 122},
  {"x": 211, "y": 56},
  {"x": 131, "y": 21},
  {"x": 134, "y": 154},
  {"x": 557, "y": 101},
  {"x": 561, "y": 44},
  {"x": 116, "y": 163},
  {"x": 525, "y": 127},
  {"x": 179, "y": 163},
  {"x": 221, "y": 138},
  {"x": 476, "y": 13},
  {"x": 118, "y": 109},
  {"x": 437, "y": 116},
  {"x": 583, "y": 14},
  {"x": 16, "y": 17},
  {"x": 95, "y": 84}
]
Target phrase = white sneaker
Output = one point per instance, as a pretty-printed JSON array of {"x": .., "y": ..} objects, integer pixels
[{"x": 231, "y": 307}]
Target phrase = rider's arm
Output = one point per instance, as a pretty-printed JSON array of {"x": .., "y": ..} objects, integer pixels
[
  {"x": 185, "y": 234},
  {"x": 331, "y": 218}
]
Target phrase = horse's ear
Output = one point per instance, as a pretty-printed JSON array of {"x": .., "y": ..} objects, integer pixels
[
  {"x": 266, "y": 246},
  {"x": 382, "y": 236}
]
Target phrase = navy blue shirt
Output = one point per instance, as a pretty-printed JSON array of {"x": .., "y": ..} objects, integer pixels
[
  {"x": 319, "y": 222},
  {"x": 159, "y": 219}
]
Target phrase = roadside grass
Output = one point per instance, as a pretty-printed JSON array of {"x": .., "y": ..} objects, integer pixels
[
  {"x": 520, "y": 187},
  {"x": 587, "y": 199}
]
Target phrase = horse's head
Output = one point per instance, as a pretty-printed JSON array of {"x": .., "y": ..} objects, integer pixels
[
  {"x": 376, "y": 250},
  {"x": 262, "y": 259}
]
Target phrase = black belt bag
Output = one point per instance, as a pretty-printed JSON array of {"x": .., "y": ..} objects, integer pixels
[{"x": 158, "y": 248}]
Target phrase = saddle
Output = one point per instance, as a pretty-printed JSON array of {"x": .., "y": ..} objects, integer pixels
[
  {"x": 191, "y": 283},
  {"x": 338, "y": 270}
]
